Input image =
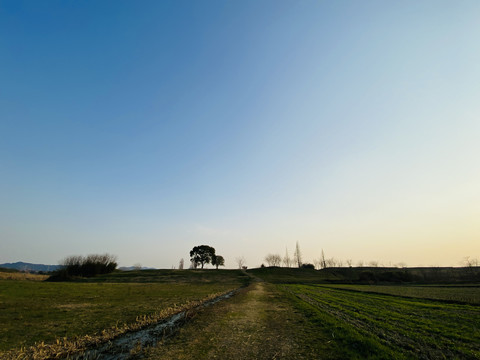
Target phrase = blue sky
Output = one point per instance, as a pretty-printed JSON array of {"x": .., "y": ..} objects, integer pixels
[{"x": 145, "y": 128}]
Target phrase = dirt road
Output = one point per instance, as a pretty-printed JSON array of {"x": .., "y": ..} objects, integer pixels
[{"x": 257, "y": 323}]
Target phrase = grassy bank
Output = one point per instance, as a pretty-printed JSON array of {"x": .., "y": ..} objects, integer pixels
[
  {"x": 369, "y": 275},
  {"x": 279, "y": 275},
  {"x": 207, "y": 276}
]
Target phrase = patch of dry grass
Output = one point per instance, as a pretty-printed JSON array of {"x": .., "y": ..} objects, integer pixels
[{"x": 22, "y": 276}]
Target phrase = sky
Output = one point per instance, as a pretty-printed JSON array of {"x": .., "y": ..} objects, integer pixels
[{"x": 145, "y": 128}]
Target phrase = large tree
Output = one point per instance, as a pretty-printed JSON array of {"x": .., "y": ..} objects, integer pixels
[
  {"x": 218, "y": 260},
  {"x": 202, "y": 254}
]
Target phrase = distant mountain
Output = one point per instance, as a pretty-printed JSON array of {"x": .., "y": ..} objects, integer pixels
[
  {"x": 23, "y": 266},
  {"x": 131, "y": 268}
]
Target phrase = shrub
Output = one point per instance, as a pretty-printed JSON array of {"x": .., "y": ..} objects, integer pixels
[
  {"x": 308, "y": 266},
  {"x": 88, "y": 266}
]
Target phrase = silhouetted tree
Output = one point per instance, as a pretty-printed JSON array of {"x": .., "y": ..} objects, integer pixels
[
  {"x": 332, "y": 262},
  {"x": 202, "y": 254},
  {"x": 218, "y": 260},
  {"x": 297, "y": 255},
  {"x": 470, "y": 262},
  {"x": 240, "y": 262},
  {"x": 308, "y": 266},
  {"x": 273, "y": 259},
  {"x": 287, "y": 261},
  {"x": 322, "y": 259},
  {"x": 88, "y": 266}
]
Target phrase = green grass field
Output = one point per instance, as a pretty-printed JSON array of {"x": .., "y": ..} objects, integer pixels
[
  {"x": 33, "y": 311},
  {"x": 468, "y": 294},
  {"x": 291, "y": 314},
  {"x": 374, "y": 325}
]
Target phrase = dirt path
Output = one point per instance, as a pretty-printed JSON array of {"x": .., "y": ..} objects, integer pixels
[{"x": 257, "y": 323}]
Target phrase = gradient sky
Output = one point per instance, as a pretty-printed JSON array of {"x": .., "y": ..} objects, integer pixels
[{"x": 144, "y": 128}]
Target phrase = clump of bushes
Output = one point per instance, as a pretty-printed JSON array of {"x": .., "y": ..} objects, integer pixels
[
  {"x": 86, "y": 266},
  {"x": 308, "y": 266}
]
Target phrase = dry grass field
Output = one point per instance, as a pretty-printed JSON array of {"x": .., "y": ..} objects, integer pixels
[{"x": 22, "y": 276}]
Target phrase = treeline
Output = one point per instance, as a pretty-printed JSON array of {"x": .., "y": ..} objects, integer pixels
[
  {"x": 321, "y": 262},
  {"x": 372, "y": 275},
  {"x": 86, "y": 266},
  {"x": 296, "y": 261}
]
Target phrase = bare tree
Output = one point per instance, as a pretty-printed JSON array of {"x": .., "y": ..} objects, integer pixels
[
  {"x": 318, "y": 263},
  {"x": 287, "y": 261},
  {"x": 273, "y": 259},
  {"x": 373, "y": 263},
  {"x": 72, "y": 260},
  {"x": 297, "y": 255},
  {"x": 469, "y": 262},
  {"x": 349, "y": 262},
  {"x": 268, "y": 259},
  {"x": 322, "y": 259},
  {"x": 240, "y": 262},
  {"x": 277, "y": 260},
  {"x": 181, "y": 264},
  {"x": 330, "y": 262},
  {"x": 360, "y": 263}
]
